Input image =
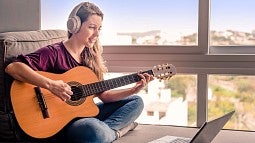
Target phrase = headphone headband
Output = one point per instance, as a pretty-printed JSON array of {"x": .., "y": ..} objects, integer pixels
[
  {"x": 74, "y": 21},
  {"x": 75, "y": 10}
]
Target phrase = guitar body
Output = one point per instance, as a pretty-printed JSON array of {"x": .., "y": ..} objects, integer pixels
[
  {"x": 29, "y": 114},
  {"x": 41, "y": 114}
]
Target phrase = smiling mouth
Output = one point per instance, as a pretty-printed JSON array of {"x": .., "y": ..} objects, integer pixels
[{"x": 92, "y": 41}]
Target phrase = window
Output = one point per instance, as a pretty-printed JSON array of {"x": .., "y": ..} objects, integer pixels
[
  {"x": 232, "y": 92},
  {"x": 194, "y": 35},
  {"x": 232, "y": 25},
  {"x": 132, "y": 22}
]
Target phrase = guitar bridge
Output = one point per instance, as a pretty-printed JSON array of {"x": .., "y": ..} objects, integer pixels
[{"x": 41, "y": 102}]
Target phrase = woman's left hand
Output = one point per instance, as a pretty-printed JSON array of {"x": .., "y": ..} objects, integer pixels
[{"x": 145, "y": 79}]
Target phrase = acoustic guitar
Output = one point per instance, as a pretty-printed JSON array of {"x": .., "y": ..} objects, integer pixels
[{"x": 41, "y": 114}]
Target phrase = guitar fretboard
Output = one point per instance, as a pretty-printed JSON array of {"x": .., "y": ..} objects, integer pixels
[{"x": 98, "y": 87}]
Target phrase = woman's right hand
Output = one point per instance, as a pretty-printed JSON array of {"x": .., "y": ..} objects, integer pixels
[
  {"x": 60, "y": 89},
  {"x": 19, "y": 71}
]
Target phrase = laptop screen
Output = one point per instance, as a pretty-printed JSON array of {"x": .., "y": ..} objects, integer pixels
[{"x": 210, "y": 129}]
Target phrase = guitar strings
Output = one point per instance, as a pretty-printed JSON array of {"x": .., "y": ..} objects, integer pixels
[
  {"x": 81, "y": 91},
  {"x": 77, "y": 93}
]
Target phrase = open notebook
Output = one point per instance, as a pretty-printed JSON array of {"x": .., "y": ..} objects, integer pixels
[{"x": 205, "y": 134}]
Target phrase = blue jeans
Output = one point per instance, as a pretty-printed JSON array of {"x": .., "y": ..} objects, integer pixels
[{"x": 102, "y": 128}]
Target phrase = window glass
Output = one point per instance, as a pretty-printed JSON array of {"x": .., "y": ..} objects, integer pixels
[
  {"x": 168, "y": 102},
  {"x": 232, "y": 22},
  {"x": 134, "y": 22},
  {"x": 231, "y": 92}
]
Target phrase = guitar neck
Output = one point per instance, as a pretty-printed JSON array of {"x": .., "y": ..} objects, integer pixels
[{"x": 98, "y": 87}]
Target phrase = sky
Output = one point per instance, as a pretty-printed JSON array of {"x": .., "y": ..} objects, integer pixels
[
  {"x": 173, "y": 17},
  {"x": 233, "y": 14}
]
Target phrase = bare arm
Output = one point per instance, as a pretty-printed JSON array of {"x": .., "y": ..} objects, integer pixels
[{"x": 22, "y": 72}]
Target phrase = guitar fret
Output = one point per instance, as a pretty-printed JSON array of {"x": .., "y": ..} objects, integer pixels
[
  {"x": 86, "y": 87},
  {"x": 85, "y": 90},
  {"x": 90, "y": 89},
  {"x": 103, "y": 85},
  {"x": 97, "y": 87}
]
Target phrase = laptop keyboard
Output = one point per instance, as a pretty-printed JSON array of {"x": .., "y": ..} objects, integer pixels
[{"x": 180, "y": 140}]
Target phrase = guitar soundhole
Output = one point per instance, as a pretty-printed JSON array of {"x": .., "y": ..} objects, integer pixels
[
  {"x": 78, "y": 96},
  {"x": 77, "y": 93}
]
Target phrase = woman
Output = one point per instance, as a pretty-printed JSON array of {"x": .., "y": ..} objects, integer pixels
[{"x": 118, "y": 109}]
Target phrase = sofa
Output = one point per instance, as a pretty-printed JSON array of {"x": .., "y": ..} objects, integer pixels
[{"x": 11, "y": 45}]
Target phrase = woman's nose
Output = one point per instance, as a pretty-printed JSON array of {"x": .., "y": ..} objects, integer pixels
[{"x": 97, "y": 32}]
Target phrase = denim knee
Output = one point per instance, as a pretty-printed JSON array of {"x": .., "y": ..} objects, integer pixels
[
  {"x": 90, "y": 130},
  {"x": 138, "y": 102}
]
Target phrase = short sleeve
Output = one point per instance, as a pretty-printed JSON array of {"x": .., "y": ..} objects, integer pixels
[{"x": 41, "y": 60}]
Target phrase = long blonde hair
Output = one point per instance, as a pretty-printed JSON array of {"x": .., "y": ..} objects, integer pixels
[{"x": 92, "y": 57}]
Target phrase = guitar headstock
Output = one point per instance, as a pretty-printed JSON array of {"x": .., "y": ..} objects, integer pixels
[{"x": 164, "y": 71}]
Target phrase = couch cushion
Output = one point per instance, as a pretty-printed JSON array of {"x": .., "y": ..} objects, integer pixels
[
  {"x": 16, "y": 43},
  {"x": 23, "y": 42}
]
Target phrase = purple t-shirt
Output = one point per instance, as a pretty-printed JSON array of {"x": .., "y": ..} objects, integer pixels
[{"x": 53, "y": 58}]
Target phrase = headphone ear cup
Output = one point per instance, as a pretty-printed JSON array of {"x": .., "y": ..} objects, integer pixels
[{"x": 74, "y": 24}]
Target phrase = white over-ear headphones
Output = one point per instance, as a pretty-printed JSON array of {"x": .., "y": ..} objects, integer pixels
[{"x": 74, "y": 21}]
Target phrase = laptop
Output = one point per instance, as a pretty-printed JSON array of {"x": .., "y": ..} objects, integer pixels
[{"x": 205, "y": 134}]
